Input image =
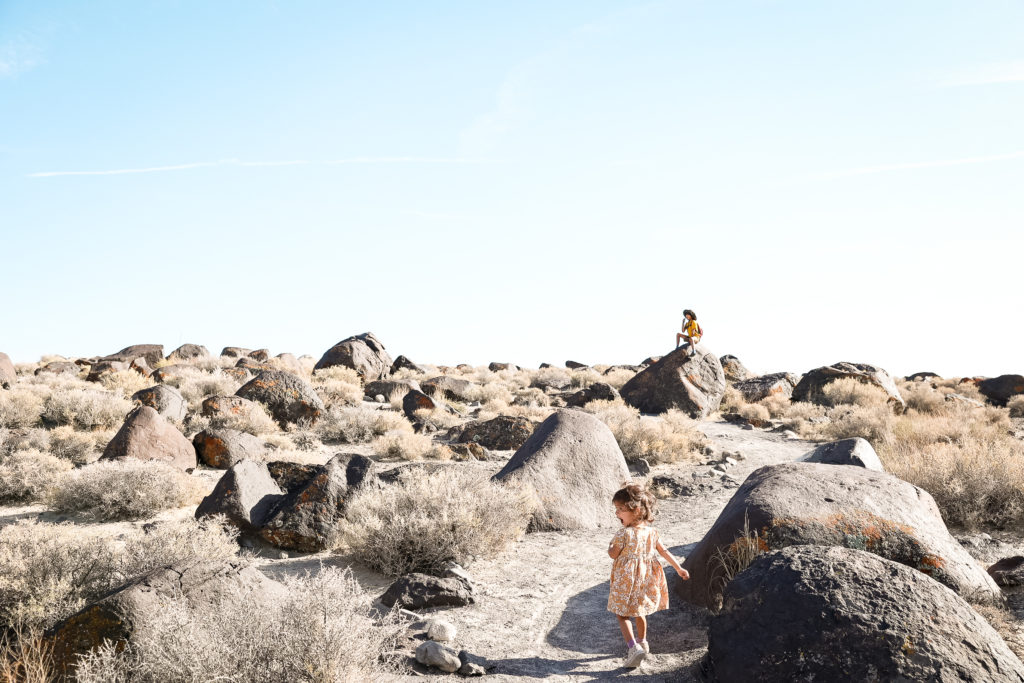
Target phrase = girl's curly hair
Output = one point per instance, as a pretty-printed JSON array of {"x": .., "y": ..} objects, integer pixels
[
  {"x": 690, "y": 311},
  {"x": 638, "y": 499}
]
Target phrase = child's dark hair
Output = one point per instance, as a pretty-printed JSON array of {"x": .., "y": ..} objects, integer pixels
[
  {"x": 638, "y": 499},
  {"x": 690, "y": 311}
]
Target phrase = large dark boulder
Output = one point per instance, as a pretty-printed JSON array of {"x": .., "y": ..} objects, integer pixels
[
  {"x": 118, "y": 615},
  {"x": 755, "y": 389},
  {"x": 235, "y": 352},
  {"x": 502, "y": 433},
  {"x": 147, "y": 435},
  {"x": 403, "y": 363},
  {"x": 810, "y": 613},
  {"x": 188, "y": 352},
  {"x": 693, "y": 385},
  {"x": 292, "y": 476},
  {"x": 856, "y": 452},
  {"x": 247, "y": 495},
  {"x": 287, "y": 397},
  {"x": 387, "y": 387},
  {"x": 57, "y": 367},
  {"x": 1008, "y": 571},
  {"x": 453, "y": 388},
  {"x": 813, "y": 504},
  {"x": 417, "y": 591},
  {"x": 364, "y": 353},
  {"x": 598, "y": 391},
  {"x": 153, "y": 353},
  {"x": 165, "y": 399},
  {"x": 498, "y": 367},
  {"x": 811, "y": 385},
  {"x": 100, "y": 369},
  {"x": 311, "y": 517},
  {"x": 921, "y": 376},
  {"x": 223, "y": 447},
  {"x": 734, "y": 370},
  {"x": 8, "y": 376},
  {"x": 168, "y": 372},
  {"x": 573, "y": 466},
  {"x": 1001, "y": 389},
  {"x": 230, "y": 406}
]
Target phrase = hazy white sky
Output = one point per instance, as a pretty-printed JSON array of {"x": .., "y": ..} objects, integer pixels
[{"x": 525, "y": 182}]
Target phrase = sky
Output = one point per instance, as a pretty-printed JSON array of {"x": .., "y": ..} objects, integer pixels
[{"x": 820, "y": 181}]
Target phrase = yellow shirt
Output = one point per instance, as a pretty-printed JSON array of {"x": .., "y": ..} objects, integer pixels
[{"x": 691, "y": 329}]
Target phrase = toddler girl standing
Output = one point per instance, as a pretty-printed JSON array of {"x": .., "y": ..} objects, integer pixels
[{"x": 638, "y": 586}]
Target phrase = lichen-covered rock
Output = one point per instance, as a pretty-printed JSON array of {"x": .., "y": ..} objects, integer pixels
[
  {"x": 231, "y": 406},
  {"x": 223, "y": 447},
  {"x": 247, "y": 495},
  {"x": 188, "y": 352},
  {"x": 167, "y": 372},
  {"x": 811, "y": 613},
  {"x": 693, "y": 385},
  {"x": 165, "y": 399},
  {"x": 734, "y": 370},
  {"x": 573, "y": 466},
  {"x": 811, "y": 386},
  {"x": 502, "y": 433},
  {"x": 100, "y": 369},
  {"x": 287, "y": 397},
  {"x": 755, "y": 389},
  {"x": 153, "y": 353},
  {"x": 147, "y": 435},
  {"x": 364, "y": 353},
  {"x": 803, "y": 503},
  {"x": 235, "y": 352}
]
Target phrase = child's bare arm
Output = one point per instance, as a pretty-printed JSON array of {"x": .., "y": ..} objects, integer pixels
[
  {"x": 613, "y": 550},
  {"x": 683, "y": 574}
]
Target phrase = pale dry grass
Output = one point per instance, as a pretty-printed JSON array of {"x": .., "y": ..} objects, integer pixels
[
  {"x": 125, "y": 382},
  {"x": 78, "y": 447},
  {"x": 85, "y": 408},
  {"x": 409, "y": 446},
  {"x": 754, "y": 411},
  {"x": 26, "y": 476},
  {"x": 21, "y": 406},
  {"x": 852, "y": 392},
  {"x": 617, "y": 378},
  {"x": 196, "y": 386},
  {"x": 671, "y": 438},
  {"x": 26, "y": 656},
  {"x": 124, "y": 489},
  {"x": 359, "y": 424},
  {"x": 728, "y": 561},
  {"x": 338, "y": 385},
  {"x": 425, "y": 520},
  {"x": 584, "y": 377},
  {"x": 732, "y": 400},
  {"x": 322, "y": 629}
]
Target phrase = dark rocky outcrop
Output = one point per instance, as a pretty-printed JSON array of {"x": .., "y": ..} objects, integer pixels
[
  {"x": 100, "y": 369},
  {"x": 693, "y": 385},
  {"x": 250, "y": 364},
  {"x": 259, "y": 355},
  {"x": 734, "y": 370},
  {"x": 287, "y": 397},
  {"x": 57, "y": 367},
  {"x": 292, "y": 476},
  {"x": 856, "y": 452},
  {"x": 147, "y": 435},
  {"x": 810, "y": 613},
  {"x": 572, "y": 465},
  {"x": 169, "y": 371},
  {"x": 403, "y": 363},
  {"x": 247, "y": 495},
  {"x": 387, "y": 387},
  {"x": 188, "y": 352},
  {"x": 598, "y": 391},
  {"x": 812, "y": 504},
  {"x": 1009, "y": 571},
  {"x": 235, "y": 352},
  {"x": 418, "y": 591},
  {"x": 223, "y": 447},
  {"x": 503, "y": 433},
  {"x": 364, "y": 353},
  {"x": 165, "y": 399},
  {"x": 921, "y": 377},
  {"x": 1001, "y": 389},
  {"x": 153, "y": 353},
  {"x": 758, "y": 388},
  {"x": 452, "y": 388},
  {"x": 810, "y": 387},
  {"x": 498, "y": 367},
  {"x": 574, "y": 365}
]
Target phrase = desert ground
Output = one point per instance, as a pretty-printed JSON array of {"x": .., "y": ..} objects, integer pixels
[{"x": 349, "y": 472}]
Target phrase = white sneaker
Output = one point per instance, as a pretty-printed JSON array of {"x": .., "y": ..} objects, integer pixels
[
  {"x": 635, "y": 657},
  {"x": 646, "y": 646}
]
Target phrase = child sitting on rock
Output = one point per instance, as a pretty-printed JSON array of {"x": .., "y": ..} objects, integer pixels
[
  {"x": 691, "y": 333},
  {"x": 638, "y": 585}
]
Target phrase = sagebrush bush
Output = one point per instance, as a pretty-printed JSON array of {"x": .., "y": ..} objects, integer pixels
[
  {"x": 50, "y": 571},
  {"x": 732, "y": 400},
  {"x": 583, "y": 378},
  {"x": 618, "y": 377},
  {"x": 195, "y": 386},
  {"x": 923, "y": 398},
  {"x": 124, "y": 489},
  {"x": 850, "y": 391},
  {"x": 125, "y": 382},
  {"x": 777, "y": 405},
  {"x": 359, "y": 424},
  {"x": 21, "y": 407},
  {"x": 24, "y": 440},
  {"x": 85, "y": 408},
  {"x": 256, "y": 421},
  {"x": 77, "y": 447},
  {"x": 321, "y": 629},
  {"x": 338, "y": 385},
  {"x": 425, "y": 520},
  {"x": 409, "y": 446},
  {"x": 1015, "y": 406},
  {"x": 25, "y": 476},
  {"x": 754, "y": 411},
  {"x": 670, "y": 438}
]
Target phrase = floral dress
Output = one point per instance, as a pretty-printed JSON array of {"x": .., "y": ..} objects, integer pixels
[{"x": 638, "y": 585}]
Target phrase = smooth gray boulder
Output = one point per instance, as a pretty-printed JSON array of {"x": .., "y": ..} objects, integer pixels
[
  {"x": 147, "y": 435},
  {"x": 811, "y": 385},
  {"x": 802, "y": 503},
  {"x": 247, "y": 495},
  {"x": 856, "y": 452},
  {"x": 755, "y": 389},
  {"x": 153, "y": 353},
  {"x": 165, "y": 399},
  {"x": 188, "y": 352},
  {"x": 693, "y": 385},
  {"x": 438, "y": 656},
  {"x": 289, "y": 399},
  {"x": 573, "y": 466},
  {"x": 811, "y": 613},
  {"x": 364, "y": 353}
]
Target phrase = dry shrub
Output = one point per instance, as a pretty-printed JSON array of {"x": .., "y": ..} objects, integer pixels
[
  {"x": 584, "y": 377},
  {"x": 256, "y": 421},
  {"x": 124, "y": 489},
  {"x": 555, "y": 377},
  {"x": 425, "y": 520},
  {"x": 728, "y": 561},
  {"x": 79, "y": 448},
  {"x": 495, "y": 391},
  {"x": 21, "y": 407},
  {"x": 754, "y": 411},
  {"x": 359, "y": 424},
  {"x": 396, "y": 397},
  {"x": 125, "y": 382},
  {"x": 322, "y": 628},
  {"x": 195, "y": 386},
  {"x": 803, "y": 418},
  {"x": 26, "y": 656},
  {"x": 874, "y": 423},
  {"x": 338, "y": 385},
  {"x": 25, "y": 476},
  {"x": 924, "y": 398},
  {"x": 617, "y": 378},
  {"x": 1016, "y": 406},
  {"x": 85, "y": 408},
  {"x": 50, "y": 571},
  {"x": 532, "y": 398},
  {"x": 409, "y": 446},
  {"x": 670, "y": 438},
  {"x": 853, "y": 392},
  {"x": 732, "y": 400},
  {"x": 777, "y": 405},
  {"x": 439, "y": 417},
  {"x": 24, "y": 440}
]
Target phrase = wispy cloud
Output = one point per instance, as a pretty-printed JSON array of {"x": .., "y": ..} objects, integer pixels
[
  {"x": 986, "y": 74},
  {"x": 18, "y": 56},
  {"x": 885, "y": 168},
  {"x": 239, "y": 162}
]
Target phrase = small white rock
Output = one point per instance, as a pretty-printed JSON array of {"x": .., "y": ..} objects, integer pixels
[
  {"x": 438, "y": 656},
  {"x": 441, "y": 631}
]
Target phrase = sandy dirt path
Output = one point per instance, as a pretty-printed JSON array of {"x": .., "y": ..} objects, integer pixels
[{"x": 542, "y": 606}]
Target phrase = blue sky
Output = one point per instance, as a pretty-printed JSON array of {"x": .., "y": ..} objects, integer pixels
[{"x": 524, "y": 182}]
